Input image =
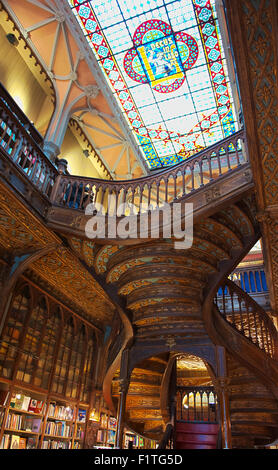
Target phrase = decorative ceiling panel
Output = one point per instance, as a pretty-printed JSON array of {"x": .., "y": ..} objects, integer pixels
[{"x": 164, "y": 61}]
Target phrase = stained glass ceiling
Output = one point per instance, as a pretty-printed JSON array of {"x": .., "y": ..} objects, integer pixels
[{"x": 164, "y": 62}]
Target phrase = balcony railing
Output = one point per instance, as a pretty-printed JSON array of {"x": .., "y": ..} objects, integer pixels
[
  {"x": 197, "y": 404},
  {"x": 247, "y": 317},
  {"x": 21, "y": 144},
  {"x": 139, "y": 195}
]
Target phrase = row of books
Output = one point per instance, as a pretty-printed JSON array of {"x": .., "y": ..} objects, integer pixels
[
  {"x": 137, "y": 441},
  {"x": 60, "y": 412},
  {"x": 106, "y": 436},
  {"x": 59, "y": 428},
  {"x": 54, "y": 444},
  {"x": 23, "y": 423},
  {"x": 80, "y": 433},
  {"x": 17, "y": 442},
  {"x": 108, "y": 422},
  {"x": 24, "y": 403},
  {"x": 101, "y": 435}
]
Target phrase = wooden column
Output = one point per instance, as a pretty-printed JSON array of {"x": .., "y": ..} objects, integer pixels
[
  {"x": 124, "y": 384},
  {"x": 221, "y": 384}
]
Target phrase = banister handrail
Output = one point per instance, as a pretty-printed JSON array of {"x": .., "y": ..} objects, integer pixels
[
  {"x": 247, "y": 317},
  {"x": 143, "y": 194},
  {"x": 19, "y": 146},
  {"x": 151, "y": 191},
  {"x": 174, "y": 168},
  {"x": 26, "y": 134}
]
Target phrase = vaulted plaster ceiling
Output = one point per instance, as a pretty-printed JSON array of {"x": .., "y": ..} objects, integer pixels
[{"x": 81, "y": 93}]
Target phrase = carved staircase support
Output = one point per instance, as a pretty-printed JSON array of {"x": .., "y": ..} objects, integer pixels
[
  {"x": 221, "y": 383},
  {"x": 124, "y": 384}
]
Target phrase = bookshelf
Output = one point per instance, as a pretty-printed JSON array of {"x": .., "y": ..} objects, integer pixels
[
  {"x": 47, "y": 355},
  {"x": 106, "y": 433},
  {"x": 138, "y": 442},
  {"x": 22, "y": 416},
  {"x": 31, "y": 420}
]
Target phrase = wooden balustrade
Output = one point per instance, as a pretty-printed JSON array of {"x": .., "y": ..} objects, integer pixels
[
  {"x": 20, "y": 146},
  {"x": 247, "y": 317},
  {"x": 252, "y": 281},
  {"x": 197, "y": 404},
  {"x": 154, "y": 191},
  {"x": 140, "y": 195}
]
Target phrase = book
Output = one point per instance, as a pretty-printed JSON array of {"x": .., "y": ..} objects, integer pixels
[
  {"x": 14, "y": 442},
  {"x": 81, "y": 416},
  {"x": 28, "y": 423},
  {"x": 69, "y": 414},
  {"x": 36, "y": 425},
  {"x": 13, "y": 400},
  {"x": 5, "y": 441},
  {"x": 31, "y": 443},
  {"x": 22, "y": 443},
  {"x": 18, "y": 401},
  {"x": 112, "y": 423},
  {"x": 25, "y": 404},
  {"x": 39, "y": 407},
  {"x": 32, "y": 405}
]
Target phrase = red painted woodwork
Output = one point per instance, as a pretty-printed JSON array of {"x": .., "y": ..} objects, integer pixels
[{"x": 196, "y": 435}]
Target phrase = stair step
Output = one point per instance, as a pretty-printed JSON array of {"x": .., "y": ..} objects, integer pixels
[
  {"x": 209, "y": 439},
  {"x": 183, "y": 445},
  {"x": 197, "y": 428}
]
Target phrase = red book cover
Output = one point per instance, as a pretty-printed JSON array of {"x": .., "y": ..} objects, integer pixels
[
  {"x": 39, "y": 407},
  {"x": 32, "y": 405}
]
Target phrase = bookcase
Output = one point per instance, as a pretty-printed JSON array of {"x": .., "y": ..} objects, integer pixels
[
  {"x": 138, "y": 442},
  {"x": 47, "y": 360},
  {"x": 106, "y": 433},
  {"x": 30, "y": 420}
]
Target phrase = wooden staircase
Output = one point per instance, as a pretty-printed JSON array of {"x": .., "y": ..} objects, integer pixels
[
  {"x": 253, "y": 408},
  {"x": 143, "y": 410},
  {"x": 196, "y": 436}
]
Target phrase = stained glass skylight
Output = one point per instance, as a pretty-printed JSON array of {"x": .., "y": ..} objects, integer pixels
[{"x": 164, "y": 61}]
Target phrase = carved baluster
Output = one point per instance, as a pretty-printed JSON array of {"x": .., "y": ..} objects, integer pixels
[
  {"x": 210, "y": 169},
  {"x": 175, "y": 187},
  {"x": 102, "y": 195},
  {"x": 80, "y": 205},
  {"x": 223, "y": 301},
  {"x": 248, "y": 321},
  {"x": 237, "y": 154},
  {"x": 149, "y": 195},
  {"x": 228, "y": 157},
  {"x": 141, "y": 189},
  {"x": 201, "y": 173},
  {"x": 166, "y": 190},
  {"x": 255, "y": 328},
  {"x": 194, "y": 405},
  {"x": 192, "y": 177},
  {"x": 219, "y": 163},
  {"x": 157, "y": 194},
  {"x": 202, "y": 411},
  {"x": 262, "y": 334},
  {"x": 233, "y": 307},
  {"x": 75, "y": 193}
]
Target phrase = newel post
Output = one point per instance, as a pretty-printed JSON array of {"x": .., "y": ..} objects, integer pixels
[
  {"x": 221, "y": 384},
  {"x": 124, "y": 384},
  {"x": 62, "y": 165}
]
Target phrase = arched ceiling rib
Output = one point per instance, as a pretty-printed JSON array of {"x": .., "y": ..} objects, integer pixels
[{"x": 55, "y": 39}]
